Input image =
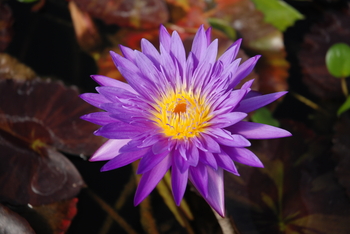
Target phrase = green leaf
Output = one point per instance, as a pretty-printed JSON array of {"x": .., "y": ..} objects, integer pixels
[
  {"x": 278, "y": 13},
  {"x": 264, "y": 116},
  {"x": 223, "y": 26},
  {"x": 338, "y": 60},
  {"x": 344, "y": 107}
]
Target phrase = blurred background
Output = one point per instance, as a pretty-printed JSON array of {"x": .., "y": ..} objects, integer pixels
[{"x": 49, "y": 49}]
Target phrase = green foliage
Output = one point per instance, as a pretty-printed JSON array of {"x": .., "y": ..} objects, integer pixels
[
  {"x": 278, "y": 13},
  {"x": 344, "y": 107},
  {"x": 264, "y": 116},
  {"x": 338, "y": 60},
  {"x": 223, "y": 26}
]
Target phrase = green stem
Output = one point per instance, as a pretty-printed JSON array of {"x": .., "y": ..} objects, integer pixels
[{"x": 344, "y": 87}]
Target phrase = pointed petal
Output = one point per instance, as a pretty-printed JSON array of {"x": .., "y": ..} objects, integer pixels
[
  {"x": 123, "y": 159},
  {"x": 251, "y": 130},
  {"x": 150, "y": 179},
  {"x": 199, "y": 43},
  {"x": 243, "y": 155},
  {"x": 193, "y": 155},
  {"x": 178, "y": 183},
  {"x": 149, "y": 161},
  {"x": 108, "y": 150},
  {"x": 226, "y": 163},
  {"x": 216, "y": 198},
  {"x": 164, "y": 38},
  {"x": 119, "y": 130},
  {"x": 180, "y": 162},
  {"x": 208, "y": 158},
  {"x": 100, "y": 118},
  {"x": 210, "y": 144},
  {"x": 127, "y": 53},
  {"x": 231, "y": 53},
  {"x": 177, "y": 49},
  {"x": 151, "y": 52},
  {"x": 94, "y": 99},
  {"x": 160, "y": 146},
  {"x": 199, "y": 178},
  {"x": 106, "y": 81},
  {"x": 254, "y": 103},
  {"x": 243, "y": 70},
  {"x": 224, "y": 137},
  {"x": 227, "y": 119}
]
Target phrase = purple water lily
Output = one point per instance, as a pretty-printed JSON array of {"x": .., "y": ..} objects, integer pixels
[{"x": 181, "y": 114}]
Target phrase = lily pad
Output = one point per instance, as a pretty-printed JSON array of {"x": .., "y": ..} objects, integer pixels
[{"x": 338, "y": 60}]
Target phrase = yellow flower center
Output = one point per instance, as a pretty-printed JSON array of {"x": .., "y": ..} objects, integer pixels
[{"x": 181, "y": 114}]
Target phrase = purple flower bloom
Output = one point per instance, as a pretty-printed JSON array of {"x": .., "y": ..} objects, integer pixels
[{"x": 181, "y": 113}]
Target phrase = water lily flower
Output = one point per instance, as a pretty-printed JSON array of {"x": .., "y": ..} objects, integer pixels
[{"x": 179, "y": 113}]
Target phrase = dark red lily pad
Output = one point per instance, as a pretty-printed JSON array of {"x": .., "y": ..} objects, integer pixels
[
  {"x": 35, "y": 177},
  {"x": 11, "y": 68},
  {"x": 6, "y": 30},
  {"x": 37, "y": 118},
  {"x": 12, "y": 223},
  {"x": 296, "y": 192},
  {"x": 127, "y": 13},
  {"x": 341, "y": 150},
  {"x": 258, "y": 38},
  {"x": 47, "y": 112},
  {"x": 334, "y": 28}
]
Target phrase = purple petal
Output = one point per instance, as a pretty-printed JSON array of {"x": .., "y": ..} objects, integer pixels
[
  {"x": 150, "y": 179},
  {"x": 243, "y": 155},
  {"x": 224, "y": 137},
  {"x": 164, "y": 38},
  {"x": 216, "y": 198},
  {"x": 108, "y": 150},
  {"x": 151, "y": 52},
  {"x": 243, "y": 70},
  {"x": 192, "y": 155},
  {"x": 210, "y": 144},
  {"x": 178, "y": 183},
  {"x": 114, "y": 93},
  {"x": 211, "y": 52},
  {"x": 106, "y": 81},
  {"x": 180, "y": 162},
  {"x": 227, "y": 119},
  {"x": 123, "y": 159},
  {"x": 120, "y": 61},
  {"x": 254, "y": 103},
  {"x": 94, "y": 99},
  {"x": 177, "y": 49},
  {"x": 151, "y": 140},
  {"x": 119, "y": 130},
  {"x": 231, "y": 53},
  {"x": 199, "y": 178},
  {"x": 150, "y": 160},
  {"x": 160, "y": 146},
  {"x": 248, "y": 84},
  {"x": 226, "y": 163},
  {"x": 100, "y": 118},
  {"x": 137, "y": 82},
  {"x": 208, "y": 34},
  {"x": 252, "y": 130},
  {"x": 199, "y": 43},
  {"x": 208, "y": 158},
  {"x": 147, "y": 68},
  {"x": 233, "y": 100},
  {"x": 132, "y": 146},
  {"x": 127, "y": 53},
  {"x": 121, "y": 112}
]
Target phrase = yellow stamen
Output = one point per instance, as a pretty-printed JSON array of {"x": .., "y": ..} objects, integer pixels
[{"x": 182, "y": 114}]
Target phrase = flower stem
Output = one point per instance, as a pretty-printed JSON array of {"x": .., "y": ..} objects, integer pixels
[{"x": 344, "y": 87}]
